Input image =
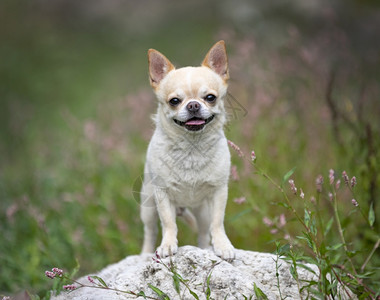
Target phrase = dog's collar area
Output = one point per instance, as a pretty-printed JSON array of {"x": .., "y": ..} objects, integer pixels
[{"x": 194, "y": 124}]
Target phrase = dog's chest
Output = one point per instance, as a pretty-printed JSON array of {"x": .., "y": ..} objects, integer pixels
[
  {"x": 190, "y": 170},
  {"x": 185, "y": 195}
]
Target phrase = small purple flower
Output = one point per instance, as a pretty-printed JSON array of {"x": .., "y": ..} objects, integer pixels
[
  {"x": 49, "y": 274},
  {"x": 273, "y": 230},
  {"x": 240, "y": 200},
  {"x": 345, "y": 177},
  {"x": 353, "y": 181},
  {"x": 236, "y": 148},
  {"x": 293, "y": 186},
  {"x": 302, "y": 195},
  {"x": 282, "y": 221},
  {"x": 57, "y": 271},
  {"x": 157, "y": 255},
  {"x": 354, "y": 203},
  {"x": 313, "y": 200},
  {"x": 318, "y": 183},
  {"x": 331, "y": 197},
  {"x": 337, "y": 184},
  {"x": 267, "y": 221},
  {"x": 331, "y": 176},
  {"x": 253, "y": 156},
  {"x": 89, "y": 278},
  {"x": 234, "y": 173},
  {"x": 69, "y": 287}
]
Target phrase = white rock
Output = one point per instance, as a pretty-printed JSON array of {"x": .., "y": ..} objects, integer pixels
[{"x": 233, "y": 280}]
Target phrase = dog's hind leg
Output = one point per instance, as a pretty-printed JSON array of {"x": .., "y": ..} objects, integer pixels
[{"x": 188, "y": 217}]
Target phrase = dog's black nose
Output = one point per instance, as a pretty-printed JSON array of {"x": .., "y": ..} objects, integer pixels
[{"x": 193, "y": 106}]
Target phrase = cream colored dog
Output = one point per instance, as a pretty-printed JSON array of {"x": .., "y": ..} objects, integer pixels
[{"x": 188, "y": 161}]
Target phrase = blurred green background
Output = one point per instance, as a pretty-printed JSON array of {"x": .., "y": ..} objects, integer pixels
[{"x": 75, "y": 119}]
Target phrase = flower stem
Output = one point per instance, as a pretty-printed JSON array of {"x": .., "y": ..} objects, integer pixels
[
  {"x": 370, "y": 255},
  {"x": 340, "y": 231}
]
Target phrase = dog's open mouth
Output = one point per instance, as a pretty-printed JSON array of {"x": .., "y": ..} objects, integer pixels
[{"x": 194, "y": 124}]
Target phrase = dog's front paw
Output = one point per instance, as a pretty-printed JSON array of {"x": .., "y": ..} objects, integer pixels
[
  {"x": 167, "y": 249},
  {"x": 225, "y": 251}
]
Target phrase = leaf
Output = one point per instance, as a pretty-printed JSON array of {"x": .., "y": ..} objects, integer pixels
[
  {"x": 208, "y": 290},
  {"x": 371, "y": 215},
  {"x": 283, "y": 204},
  {"x": 307, "y": 218},
  {"x": 193, "y": 294},
  {"x": 159, "y": 293},
  {"x": 259, "y": 293},
  {"x": 141, "y": 294},
  {"x": 335, "y": 247},
  {"x": 328, "y": 226},
  {"x": 176, "y": 282},
  {"x": 283, "y": 250},
  {"x": 287, "y": 175},
  {"x": 293, "y": 271},
  {"x": 242, "y": 213},
  {"x": 101, "y": 281},
  {"x": 306, "y": 268},
  {"x": 351, "y": 254}
]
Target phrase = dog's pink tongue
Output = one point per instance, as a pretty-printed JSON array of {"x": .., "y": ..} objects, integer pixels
[{"x": 195, "y": 122}]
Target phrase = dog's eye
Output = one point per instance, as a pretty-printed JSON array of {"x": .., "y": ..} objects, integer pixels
[
  {"x": 174, "y": 101},
  {"x": 210, "y": 98}
]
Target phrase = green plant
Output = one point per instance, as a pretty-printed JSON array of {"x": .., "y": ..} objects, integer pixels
[
  {"x": 94, "y": 282},
  {"x": 339, "y": 273}
]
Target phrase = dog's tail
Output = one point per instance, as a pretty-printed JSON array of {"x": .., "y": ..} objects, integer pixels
[{"x": 188, "y": 217}]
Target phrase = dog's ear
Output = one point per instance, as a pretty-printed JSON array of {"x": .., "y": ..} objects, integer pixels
[
  {"x": 216, "y": 60},
  {"x": 159, "y": 67}
]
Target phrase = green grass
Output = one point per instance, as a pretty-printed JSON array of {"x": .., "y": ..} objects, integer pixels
[{"x": 75, "y": 123}]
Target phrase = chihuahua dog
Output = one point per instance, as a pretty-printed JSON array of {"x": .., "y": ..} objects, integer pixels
[{"x": 188, "y": 162}]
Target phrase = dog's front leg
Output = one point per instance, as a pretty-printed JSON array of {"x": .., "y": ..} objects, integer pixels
[
  {"x": 221, "y": 243},
  {"x": 167, "y": 213}
]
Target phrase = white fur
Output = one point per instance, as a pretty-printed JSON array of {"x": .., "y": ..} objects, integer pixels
[{"x": 186, "y": 168}]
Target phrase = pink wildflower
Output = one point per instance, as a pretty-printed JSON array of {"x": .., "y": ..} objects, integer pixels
[
  {"x": 236, "y": 148},
  {"x": 331, "y": 176},
  {"x": 267, "y": 221},
  {"x": 274, "y": 231},
  {"x": 313, "y": 200},
  {"x": 282, "y": 221},
  {"x": 69, "y": 287},
  {"x": 355, "y": 203},
  {"x": 89, "y": 278},
  {"x": 331, "y": 197},
  {"x": 49, "y": 274},
  {"x": 302, "y": 195},
  {"x": 155, "y": 260},
  {"x": 318, "y": 183},
  {"x": 337, "y": 184},
  {"x": 58, "y": 272},
  {"x": 353, "y": 181},
  {"x": 234, "y": 173},
  {"x": 293, "y": 186},
  {"x": 345, "y": 177},
  {"x": 253, "y": 156},
  {"x": 240, "y": 200}
]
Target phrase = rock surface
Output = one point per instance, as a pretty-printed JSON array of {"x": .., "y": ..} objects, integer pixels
[{"x": 233, "y": 280}]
